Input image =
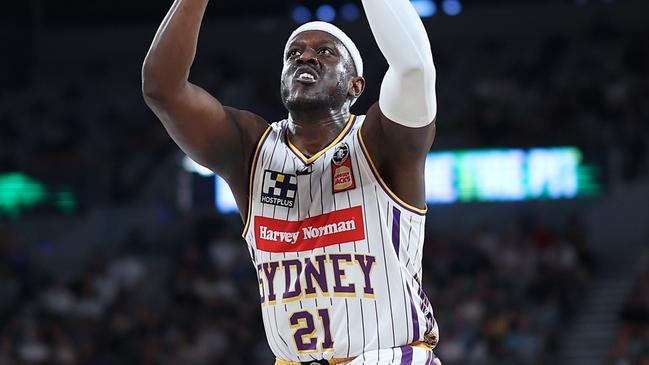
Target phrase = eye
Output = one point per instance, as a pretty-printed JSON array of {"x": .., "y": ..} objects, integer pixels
[
  {"x": 325, "y": 51},
  {"x": 292, "y": 53}
]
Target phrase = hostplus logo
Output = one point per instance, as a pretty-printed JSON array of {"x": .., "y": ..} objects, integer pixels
[{"x": 279, "y": 189}]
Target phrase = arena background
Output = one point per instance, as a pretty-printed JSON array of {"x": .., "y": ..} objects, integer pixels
[{"x": 112, "y": 251}]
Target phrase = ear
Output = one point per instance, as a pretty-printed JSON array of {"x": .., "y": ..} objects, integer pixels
[{"x": 358, "y": 86}]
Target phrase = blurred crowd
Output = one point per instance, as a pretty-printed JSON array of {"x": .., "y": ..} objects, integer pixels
[
  {"x": 631, "y": 344},
  {"x": 86, "y": 125},
  {"x": 505, "y": 298},
  {"x": 190, "y": 297},
  {"x": 587, "y": 89}
]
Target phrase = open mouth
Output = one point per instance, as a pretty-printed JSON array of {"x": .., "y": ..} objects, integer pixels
[{"x": 306, "y": 76}]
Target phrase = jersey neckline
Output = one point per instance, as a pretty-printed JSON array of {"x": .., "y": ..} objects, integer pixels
[{"x": 309, "y": 160}]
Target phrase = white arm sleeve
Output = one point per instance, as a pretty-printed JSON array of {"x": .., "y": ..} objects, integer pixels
[{"x": 408, "y": 89}]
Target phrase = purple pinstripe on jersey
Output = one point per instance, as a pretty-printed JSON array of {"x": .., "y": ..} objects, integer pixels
[
  {"x": 406, "y": 355},
  {"x": 396, "y": 229},
  {"x": 415, "y": 319}
]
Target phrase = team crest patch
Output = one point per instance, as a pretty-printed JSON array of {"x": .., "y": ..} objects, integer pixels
[
  {"x": 342, "y": 173},
  {"x": 279, "y": 189}
]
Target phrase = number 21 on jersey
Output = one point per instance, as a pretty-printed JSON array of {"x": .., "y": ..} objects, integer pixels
[{"x": 305, "y": 337}]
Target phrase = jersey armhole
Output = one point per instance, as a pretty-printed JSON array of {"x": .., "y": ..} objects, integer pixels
[
  {"x": 385, "y": 186},
  {"x": 251, "y": 178}
]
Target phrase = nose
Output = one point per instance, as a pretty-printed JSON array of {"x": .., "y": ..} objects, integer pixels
[{"x": 308, "y": 56}]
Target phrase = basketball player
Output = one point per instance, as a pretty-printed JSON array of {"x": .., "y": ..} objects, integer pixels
[{"x": 333, "y": 203}]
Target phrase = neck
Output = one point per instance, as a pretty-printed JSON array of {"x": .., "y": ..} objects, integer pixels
[{"x": 310, "y": 132}]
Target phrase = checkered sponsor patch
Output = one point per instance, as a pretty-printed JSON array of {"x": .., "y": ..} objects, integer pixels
[{"x": 279, "y": 189}]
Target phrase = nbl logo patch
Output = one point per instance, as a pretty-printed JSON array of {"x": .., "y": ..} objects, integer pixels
[
  {"x": 279, "y": 189},
  {"x": 342, "y": 174}
]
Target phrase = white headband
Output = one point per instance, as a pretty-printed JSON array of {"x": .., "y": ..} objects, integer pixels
[{"x": 336, "y": 32}]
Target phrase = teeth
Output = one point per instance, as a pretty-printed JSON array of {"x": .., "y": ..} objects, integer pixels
[{"x": 306, "y": 76}]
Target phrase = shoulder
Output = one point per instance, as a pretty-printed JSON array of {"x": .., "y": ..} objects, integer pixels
[
  {"x": 276, "y": 129},
  {"x": 407, "y": 142},
  {"x": 279, "y": 126},
  {"x": 358, "y": 122},
  {"x": 273, "y": 133}
]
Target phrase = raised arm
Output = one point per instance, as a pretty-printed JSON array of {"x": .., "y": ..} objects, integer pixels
[
  {"x": 218, "y": 137},
  {"x": 400, "y": 129}
]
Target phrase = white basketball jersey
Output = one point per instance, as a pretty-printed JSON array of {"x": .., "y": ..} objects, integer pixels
[{"x": 338, "y": 255}]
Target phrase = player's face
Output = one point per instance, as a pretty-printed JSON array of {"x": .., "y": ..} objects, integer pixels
[{"x": 317, "y": 73}]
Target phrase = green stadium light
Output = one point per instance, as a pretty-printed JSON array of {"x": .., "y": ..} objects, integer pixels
[{"x": 19, "y": 192}]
